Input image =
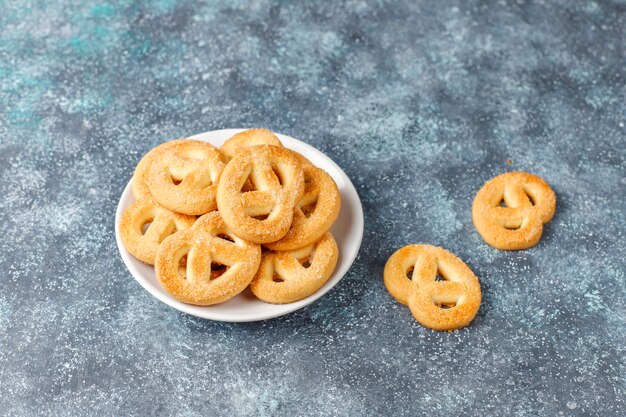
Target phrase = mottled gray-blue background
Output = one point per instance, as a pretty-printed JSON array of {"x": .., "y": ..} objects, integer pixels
[{"x": 420, "y": 102}]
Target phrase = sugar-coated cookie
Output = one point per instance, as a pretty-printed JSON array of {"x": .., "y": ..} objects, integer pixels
[
  {"x": 144, "y": 224},
  {"x": 285, "y": 277},
  {"x": 264, "y": 214},
  {"x": 207, "y": 263},
  {"x": 316, "y": 211},
  {"x": 530, "y": 203},
  {"x": 184, "y": 177},
  {"x": 446, "y": 304}
]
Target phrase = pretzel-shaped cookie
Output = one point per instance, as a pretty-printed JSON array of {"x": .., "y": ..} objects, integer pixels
[
  {"x": 184, "y": 177},
  {"x": 206, "y": 264},
  {"x": 285, "y": 277},
  {"x": 530, "y": 204},
  {"x": 279, "y": 181},
  {"x": 162, "y": 223},
  {"x": 440, "y": 305},
  {"x": 246, "y": 139},
  {"x": 139, "y": 184},
  {"x": 315, "y": 213}
]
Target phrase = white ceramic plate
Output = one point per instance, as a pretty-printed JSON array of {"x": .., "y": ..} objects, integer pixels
[{"x": 347, "y": 230}]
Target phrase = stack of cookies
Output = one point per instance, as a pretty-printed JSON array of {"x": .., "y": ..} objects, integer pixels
[{"x": 215, "y": 221}]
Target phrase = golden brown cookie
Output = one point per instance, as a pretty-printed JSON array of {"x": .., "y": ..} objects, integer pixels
[
  {"x": 264, "y": 214},
  {"x": 206, "y": 264},
  {"x": 285, "y": 277},
  {"x": 184, "y": 177},
  {"x": 530, "y": 203},
  {"x": 315, "y": 213},
  {"x": 450, "y": 303},
  {"x": 144, "y": 224},
  {"x": 139, "y": 184},
  {"x": 246, "y": 139}
]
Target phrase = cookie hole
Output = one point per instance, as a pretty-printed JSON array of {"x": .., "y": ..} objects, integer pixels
[
  {"x": 248, "y": 185},
  {"x": 305, "y": 262},
  {"x": 446, "y": 306},
  {"x": 226, "y": 237},
  {"x": 309, "y": 187},
  {"x": 277, "y": 278},
  {"x": 182, "y": 267},
  {"x": 277, "y": 174},
  {"x": 502, "y": 203},
  {"x": 218, "y": 269},
  {"x": 530, "y": 198},
  {"x": 146, "y": 226},
  {"x": 409, "y": 273},
  {"x": 176, "y": 181},
  {"x": 261, "y": 216},
  {"x": 308, "y": 209},
  {"x": 440, "y": 277},
  {"x": 510, "y": 227}
]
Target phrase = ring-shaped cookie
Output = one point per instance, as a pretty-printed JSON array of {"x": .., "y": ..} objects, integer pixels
[
  {"x": 184, "y": 177},
  {"x": 264, "y": 214},
  {"x": 207, "y": 263},
  {"x": 143, "y": 242},
  {"x": 530, "y": 203},
  {"x": 246, "y": 139},
  {"x": 446, "y": 304},
  {"x": 285, "y": 277},
  {"x": 315, "y": 213}
]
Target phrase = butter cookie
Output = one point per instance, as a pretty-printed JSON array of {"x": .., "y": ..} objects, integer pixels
[
  {"x": 285, "y": 277},
  {"x": 529, "y": 203},
  {"x": 144, "y": 225},
  {"x": 207, "y": 263},
  {"x": 264, "y": 214},
  {"x": 315, "y": 213},
  {"x": 184, "y": 177},
  {"x": 441, "y": 291}
]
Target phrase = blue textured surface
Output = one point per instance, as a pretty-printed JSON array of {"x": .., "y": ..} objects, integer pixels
[{"x": 419, "y": 102}]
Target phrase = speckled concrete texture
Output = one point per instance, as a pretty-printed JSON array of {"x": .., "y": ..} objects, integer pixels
[{"x": 420, "y": 102}]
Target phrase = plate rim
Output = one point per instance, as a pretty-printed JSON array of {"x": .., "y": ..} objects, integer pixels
[{"x": 287, "y": 308}]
